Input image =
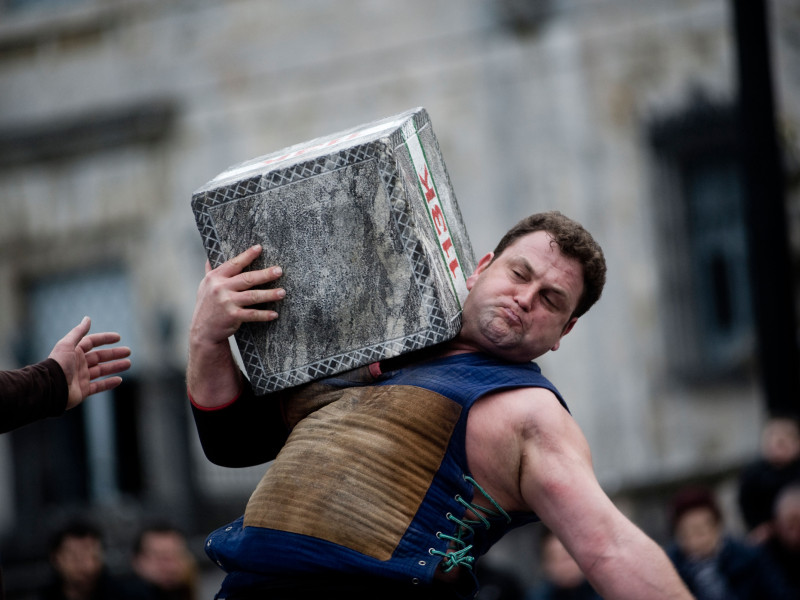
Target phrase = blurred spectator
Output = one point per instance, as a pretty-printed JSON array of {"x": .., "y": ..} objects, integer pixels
[
  {"x": 784, "y": 545},
  {"x": 78, "y": 561},
  {"x": 714, "y": 565},
  {"x": 563, "y": 579},
  {"x": 164, "y": 569},
  {"x": 760, "y": 482},
  {"x": 497, "y": 584}
]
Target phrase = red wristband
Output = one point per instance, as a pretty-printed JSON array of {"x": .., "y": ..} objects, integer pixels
[{"x": 211, "y": 408}]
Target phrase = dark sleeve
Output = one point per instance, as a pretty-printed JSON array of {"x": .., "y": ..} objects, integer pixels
[
  {"x": 769, "y": 581},
  {"x": 756, "y": 494},
  {"x": 32, "y": 393},
  {"x": 248, "y": 431}
]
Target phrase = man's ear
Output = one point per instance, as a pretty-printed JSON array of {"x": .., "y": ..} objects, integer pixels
[
  {"x": 482, "y": 264},
  {"x": 567, "y": 328}
]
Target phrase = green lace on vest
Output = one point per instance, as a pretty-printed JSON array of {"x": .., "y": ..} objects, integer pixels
[{"x": 459, "y": 552}]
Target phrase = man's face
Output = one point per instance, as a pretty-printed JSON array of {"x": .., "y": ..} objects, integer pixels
[
  {"x": 520, "y": 304},
  {"x": 780, "y": 442},
  {"x": 164, "y": 560},
  {"x": 79, "y": 561},
  {"x": 698, "y": 533}
]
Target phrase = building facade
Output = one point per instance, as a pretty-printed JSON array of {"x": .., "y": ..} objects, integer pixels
[{"x": 620, "y": 113}]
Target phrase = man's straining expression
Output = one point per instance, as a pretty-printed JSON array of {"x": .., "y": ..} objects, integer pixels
[{"x": 520, "y": 303}]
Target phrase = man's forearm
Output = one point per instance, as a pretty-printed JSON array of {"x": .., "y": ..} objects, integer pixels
[
  {"x": 31, "y": 393},
  {"x": 212, "y": 376},
  {"x": 637, "y": 568},
  {"x": 227, "y": 297}
]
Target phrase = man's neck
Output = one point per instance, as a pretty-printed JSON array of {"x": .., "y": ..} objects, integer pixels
[{"x": 422, "y": 355}]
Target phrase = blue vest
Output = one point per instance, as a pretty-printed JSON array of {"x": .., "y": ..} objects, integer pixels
[{"x": 373, "y": 480}]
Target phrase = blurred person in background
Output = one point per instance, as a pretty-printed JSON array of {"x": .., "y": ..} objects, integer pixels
[
  {"x": 714, "y": 565},
  {"x": 79, "y": 571},
  {"x": 563, "y": 578},
  {"x": 761, "y": 481},
  {"x": 783, "y": 547},
  {"x": 163, "y": 567},
  {"x": 497, "y": 583}
]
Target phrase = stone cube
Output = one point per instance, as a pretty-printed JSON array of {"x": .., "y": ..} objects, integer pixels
[{"x": 366, "y": 227}]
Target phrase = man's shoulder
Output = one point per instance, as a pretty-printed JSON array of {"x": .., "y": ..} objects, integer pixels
[
  {"x": 474, "y": 375},
  {"x": 527, "y": 403}
]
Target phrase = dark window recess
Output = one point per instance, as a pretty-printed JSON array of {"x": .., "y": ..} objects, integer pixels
[
  {"x": 708, "y": 320},
  {"x": 18, "y": 5},
  {"x": 95, "y": 131}
]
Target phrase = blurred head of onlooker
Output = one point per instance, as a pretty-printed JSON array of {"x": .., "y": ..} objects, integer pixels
[
  {"x": 76, "y": 553},
  {"x": 780, "y": 441},
  {"x": 162, "y": 559},
  {"x": 697, "y": 524},
  {"x": 713, "y": 564},
  {"x": 784, "y": 546},
  {"x": 563, "y": 578},
  {"x": 77, "y": 558},
  {"x": 787, "y": 517},
  {"x": 777, "y": 465}
]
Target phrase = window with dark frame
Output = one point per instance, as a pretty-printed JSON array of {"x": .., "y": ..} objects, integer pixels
[
  {"x": 18, "y": 5},
  {"x": 709, "y": 329}
]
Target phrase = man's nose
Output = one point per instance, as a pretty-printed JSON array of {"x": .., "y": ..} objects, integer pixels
[{"x": 525, "y": 296}]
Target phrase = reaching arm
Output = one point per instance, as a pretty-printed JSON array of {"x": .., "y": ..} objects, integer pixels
[
  {"x": 558, "y": 482},
  {"x": 225, "y": 299},
  {"x": 31, "y": 393},
  {"x": 71, "y": 373},
  {"x": 235, "y": 427}
]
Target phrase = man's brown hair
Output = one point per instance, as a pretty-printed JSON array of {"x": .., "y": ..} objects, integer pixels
[{"x": 574, "y": 242}]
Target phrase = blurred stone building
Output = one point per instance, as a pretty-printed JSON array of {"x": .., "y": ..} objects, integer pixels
[{"x": 620, "y": 113}]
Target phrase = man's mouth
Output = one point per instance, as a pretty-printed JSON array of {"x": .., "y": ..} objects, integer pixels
[{"x": 511, "y": 316}]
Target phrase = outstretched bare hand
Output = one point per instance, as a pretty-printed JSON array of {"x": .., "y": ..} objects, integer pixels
[{"x": 83, "y": 366}]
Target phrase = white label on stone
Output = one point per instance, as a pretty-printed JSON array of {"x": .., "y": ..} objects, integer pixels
[{"x": 435, "y": 212}]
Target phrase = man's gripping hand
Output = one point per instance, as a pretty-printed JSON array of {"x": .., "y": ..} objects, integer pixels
[{"x": 227, "y": 297}]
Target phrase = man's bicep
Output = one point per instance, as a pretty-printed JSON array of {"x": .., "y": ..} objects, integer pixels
[{"x": 557, "y": 482}]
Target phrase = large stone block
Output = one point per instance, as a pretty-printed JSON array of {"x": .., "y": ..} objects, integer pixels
[{"x": 366, "y": 227}]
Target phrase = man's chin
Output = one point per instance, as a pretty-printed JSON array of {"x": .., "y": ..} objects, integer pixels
[{"x": 507, "y": 351}]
